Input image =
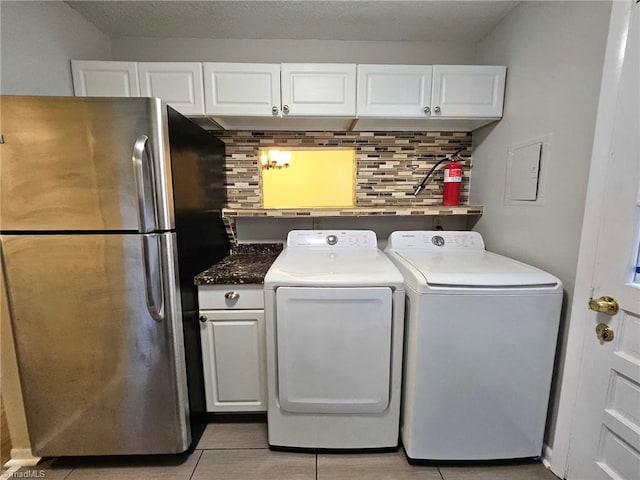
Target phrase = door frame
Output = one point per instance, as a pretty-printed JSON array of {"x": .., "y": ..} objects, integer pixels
[{"x": 579, "y": 330}]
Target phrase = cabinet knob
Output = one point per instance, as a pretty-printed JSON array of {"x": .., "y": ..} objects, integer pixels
[
  {"x": 285, "y": 108},
  {"x": 232, "y": 295},
  {"x": 437, "y": 109},
  {"x": 203, "y": 318},
  {"x": 427, "y": 109},
  {"x": 274, "y": 110}
]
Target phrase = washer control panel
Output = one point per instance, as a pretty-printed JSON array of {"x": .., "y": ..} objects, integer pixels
[
  {"x": 332, "y": 239},
  {"x": 435, "y": 241}
]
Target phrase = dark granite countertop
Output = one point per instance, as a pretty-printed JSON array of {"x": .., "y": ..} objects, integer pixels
[{"x": 247, "y": 264}]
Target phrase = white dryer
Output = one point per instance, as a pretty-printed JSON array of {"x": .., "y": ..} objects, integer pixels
[
  {"x": 481, "y": 333},
  {"x": 334, "y": 306}
]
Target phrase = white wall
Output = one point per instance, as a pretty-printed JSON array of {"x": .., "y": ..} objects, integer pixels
[
  {"x": 267, "y": 230},
  {"x": 554, "y": 52},
  {"x": 37, "y": 42},
  {"x": 278, "y": 51}
]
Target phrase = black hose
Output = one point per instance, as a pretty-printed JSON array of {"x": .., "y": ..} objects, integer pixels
[{"x": 426, "y": 177}]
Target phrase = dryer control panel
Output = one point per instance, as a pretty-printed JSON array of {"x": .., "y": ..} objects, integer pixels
[
  {"x": 332, "y": 239},
  {"x": 435, "y": 241}
]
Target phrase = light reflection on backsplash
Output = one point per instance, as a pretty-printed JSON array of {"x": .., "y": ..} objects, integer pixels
[{"x": 389, "y": 165}]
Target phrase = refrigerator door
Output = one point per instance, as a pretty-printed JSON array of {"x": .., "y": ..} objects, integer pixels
[
  {"x": 83, "y": 164},
  {"x": 98, "y": 333}
]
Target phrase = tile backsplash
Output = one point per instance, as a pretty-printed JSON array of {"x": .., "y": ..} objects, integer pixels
[{"x": 389, "y": 165}]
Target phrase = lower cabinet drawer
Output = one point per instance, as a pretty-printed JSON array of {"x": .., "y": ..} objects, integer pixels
[
  {"x": 234, "y": 360},
  {"x": 236, "y": 297}
]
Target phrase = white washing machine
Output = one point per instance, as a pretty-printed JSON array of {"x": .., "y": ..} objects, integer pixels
[
  {"x": 480, "y": 341},
  {"x": 334, "y": 314}
]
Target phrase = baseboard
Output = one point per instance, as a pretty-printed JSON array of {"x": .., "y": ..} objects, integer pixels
[
  {"x": 8, "y": 473},
  {"x": 21, "y": 457},
  {"x": 546, "y": 455}
]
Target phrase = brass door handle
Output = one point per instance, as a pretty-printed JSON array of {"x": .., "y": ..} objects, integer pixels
[
  {"x": 607, "y": 305},
  {"x": 604, "y": 332}
]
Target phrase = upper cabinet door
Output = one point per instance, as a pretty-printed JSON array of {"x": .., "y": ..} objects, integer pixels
[
  {"x": 178, "y": 84},
  {"x": 394, "y": 90},
  {"x": 319, "y": 89},
  {"x": 105, "y": 79},
  {"x": 467, "y": 91},
  {"x": 251, "y": 89}
]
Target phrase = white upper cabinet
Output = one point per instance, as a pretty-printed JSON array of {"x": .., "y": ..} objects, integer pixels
[
  {"x": 394, "y": 91},
  {"x": 467, "y": 91},
  {"x": 279, "y": 90},
  {"x": 178, "y": 84},
  {"x": 318, "y": 89},
  {"x": 105, "y": 79},
  {"x": 417, "y": 91},
  {"x": 442, "y": 97},
  {"x": 251, "y": 89},
  {"x": 308, "y": 96}
]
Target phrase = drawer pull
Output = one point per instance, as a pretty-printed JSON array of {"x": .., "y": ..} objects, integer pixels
[
  {"x": 203, "y": 318},
  {"x": 232, "y": 295}
]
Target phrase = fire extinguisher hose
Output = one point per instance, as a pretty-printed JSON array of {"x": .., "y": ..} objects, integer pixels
[{"x": 420, "y": 187}]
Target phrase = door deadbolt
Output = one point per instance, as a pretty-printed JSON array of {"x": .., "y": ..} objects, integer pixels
[{"x": 604, "y": 332}]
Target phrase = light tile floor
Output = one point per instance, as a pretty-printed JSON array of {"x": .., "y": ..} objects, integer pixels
[{"x": 239, "y": 451}]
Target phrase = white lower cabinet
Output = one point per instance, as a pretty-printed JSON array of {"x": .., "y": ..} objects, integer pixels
[{"x": 233, "y": 356}]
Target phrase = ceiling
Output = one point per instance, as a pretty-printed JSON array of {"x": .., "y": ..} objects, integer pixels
[{"x": 418, "y": 20}]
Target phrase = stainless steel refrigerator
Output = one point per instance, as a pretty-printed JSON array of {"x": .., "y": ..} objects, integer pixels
[{"x": 108, "y": 208}]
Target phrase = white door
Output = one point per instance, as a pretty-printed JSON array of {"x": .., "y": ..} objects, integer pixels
[
  {"x": 467, "y": 91},
  {"x": 605, "y": 438},
  {"x": 334, "y": 349},
  {"x": 319, "y": 89},
  {"x": 234, "y": 360},
  {"x": 394, "y": 90},
  {"x": 105, "y": 79},
  {"x": 178, "y": 84},
  {"x": 251, "y": 89}
]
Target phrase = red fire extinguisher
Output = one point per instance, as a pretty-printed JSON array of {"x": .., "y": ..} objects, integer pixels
[{"x": 452, "y": 182}]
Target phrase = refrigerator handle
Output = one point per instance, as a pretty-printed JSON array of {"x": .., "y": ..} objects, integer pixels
[
  {"x": 153, "y": 287},
  {"x": 144, "y": 185}
]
